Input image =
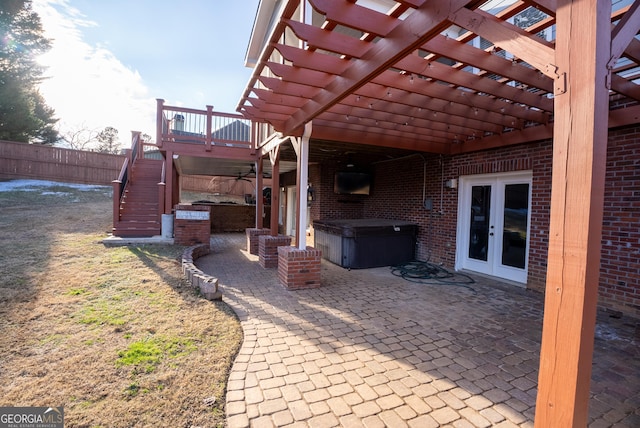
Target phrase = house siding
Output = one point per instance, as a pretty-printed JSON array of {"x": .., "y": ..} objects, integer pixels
[{"x": 397, "y": 193}]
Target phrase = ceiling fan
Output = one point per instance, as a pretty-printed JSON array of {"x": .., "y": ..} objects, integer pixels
[
  {"x": 252, "y": 173},
  {"x": 243, "y": 177}
]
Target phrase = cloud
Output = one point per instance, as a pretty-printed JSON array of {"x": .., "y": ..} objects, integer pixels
[{"x": 87, "y": 85}]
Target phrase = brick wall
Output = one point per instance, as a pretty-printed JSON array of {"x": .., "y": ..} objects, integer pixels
[
  {"x": 398, "y": 187},
  {"x": 333, "y": 206},
  {"x": 192, "y": 231},
  {"x": 232, "y": 218},
  {"x": 620, "y": 264}
]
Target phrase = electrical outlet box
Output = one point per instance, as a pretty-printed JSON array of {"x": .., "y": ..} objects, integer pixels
[{"x": 428, "y": 204}]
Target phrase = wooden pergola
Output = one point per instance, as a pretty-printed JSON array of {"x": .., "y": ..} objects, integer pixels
[{"x": 456, "y": 76}]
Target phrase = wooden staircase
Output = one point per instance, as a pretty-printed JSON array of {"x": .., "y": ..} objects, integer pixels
[{"x": 139, "y": 207}]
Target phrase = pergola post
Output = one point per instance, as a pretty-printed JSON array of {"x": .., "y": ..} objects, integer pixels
[
  {"x": 274, "y": 157},
  {"x": 582, "y": 51},
  {"x": 259, "y": 198},
  {"x": 299, "y": 266},
  {"x": 302, "y": 151}
]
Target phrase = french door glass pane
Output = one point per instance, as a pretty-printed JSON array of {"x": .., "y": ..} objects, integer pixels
[
  {"x": 516, "y": 213},
  {"x": 480, "y": 211}
]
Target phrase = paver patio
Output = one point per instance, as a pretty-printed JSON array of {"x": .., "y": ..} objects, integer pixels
[{"x": 372, "y": 349}]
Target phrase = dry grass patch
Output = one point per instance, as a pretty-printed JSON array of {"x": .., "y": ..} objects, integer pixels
[{"x": 113, "y": 334}]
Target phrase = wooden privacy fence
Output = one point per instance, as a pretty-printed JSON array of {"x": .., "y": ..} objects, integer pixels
[{"x": 21, "y": 160}]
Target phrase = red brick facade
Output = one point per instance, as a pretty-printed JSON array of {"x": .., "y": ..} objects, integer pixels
[{"x": 399, "y": 185}]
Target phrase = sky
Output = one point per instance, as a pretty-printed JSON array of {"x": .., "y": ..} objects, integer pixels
[{"x": 111, "y": 59}]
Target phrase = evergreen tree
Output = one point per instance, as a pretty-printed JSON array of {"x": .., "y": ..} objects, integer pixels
[
  {"x": 108, "y": 141},
  {"x": 24, "y": 115}
]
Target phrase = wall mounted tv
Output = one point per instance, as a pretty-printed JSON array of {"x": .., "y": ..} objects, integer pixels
[{"x": 352, "y": 183}]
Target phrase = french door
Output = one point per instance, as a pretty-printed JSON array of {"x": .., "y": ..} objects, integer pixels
[{"x": 494, "y": 213}]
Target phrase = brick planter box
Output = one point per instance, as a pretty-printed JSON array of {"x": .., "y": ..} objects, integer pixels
[
  {"x": 253, "y": 241},
  {"x": 268, "y": 249},
  {"x": 299, "y": 269}
]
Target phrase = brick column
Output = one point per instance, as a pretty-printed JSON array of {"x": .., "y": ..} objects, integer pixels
[
  {"x": 192, "y": 224},
  {"x": 253, "y": 243},
  {"x": 268, "y": 249},
  {"x": 299, "y": 269}
]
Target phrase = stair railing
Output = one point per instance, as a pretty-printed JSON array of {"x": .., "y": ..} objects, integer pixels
[{"x": 125, "y": 176}]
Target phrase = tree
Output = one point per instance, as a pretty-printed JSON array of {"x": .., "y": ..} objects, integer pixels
[
  {"x": 108, "y": 141},
  {"x": 80, "y": 137},
  {"x": 24, "y": 115}
]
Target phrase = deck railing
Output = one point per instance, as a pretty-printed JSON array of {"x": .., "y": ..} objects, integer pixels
[
  {"x": 206, "y": 127},
  {"x": 120, "y": 184}
]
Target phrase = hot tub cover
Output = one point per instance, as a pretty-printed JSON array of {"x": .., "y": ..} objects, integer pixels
[{"x": 351, "y": 228}]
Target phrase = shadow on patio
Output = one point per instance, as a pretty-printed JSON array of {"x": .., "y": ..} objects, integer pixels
[{"x": 369, "y": 348}]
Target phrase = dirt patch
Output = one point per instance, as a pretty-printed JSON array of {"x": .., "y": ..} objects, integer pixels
[{"x": 113, "y": 334}]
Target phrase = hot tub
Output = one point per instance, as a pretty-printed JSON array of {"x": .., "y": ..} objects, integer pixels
[{"x": 365, "y": 243}]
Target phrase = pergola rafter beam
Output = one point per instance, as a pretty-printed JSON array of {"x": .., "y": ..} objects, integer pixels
[
  {"x": 444, "y": 73},
  {"x": 357, "y": 17},
  {"x": 440, "y": 98},
  {"x": 625, "y": 31},
  {"x": 527, "y": 47},
  {"x": 482, "y": 60},
  {"x": 301, "y": 76},
  {"x": 330, "y": 41},
  {"x": 280, "y": 86},
  {"x": 313, "y": 60},
  {"x": 328, "y": 131},
  {"x": 271, "y": 97},
  {"x": 403, "y": 116},
  {"x": 448, "y": 111},
  {"x": 425, "y": 22},
  {"x": 383, "y": 127}
]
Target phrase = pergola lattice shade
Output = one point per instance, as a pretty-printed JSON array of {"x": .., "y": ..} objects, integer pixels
[{"x": 435, "y": 76}]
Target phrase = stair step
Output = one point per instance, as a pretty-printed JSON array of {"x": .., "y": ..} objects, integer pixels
[
  {"x": 139, "y": 208},
  {"x": 135, "y": 233},
  {"x": 140, "y": 214},
  {"x": 147, "y": 185},
  {"x": 139, "y": 202},
  {"x": 138, "y": 219},
  {"x": 129, "y": 225},
  {"x": 132, "y": 224},
  {"x": 153, "y": 218}
]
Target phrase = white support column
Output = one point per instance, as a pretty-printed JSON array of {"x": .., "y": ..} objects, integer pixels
[
  {"x": 274, "y": 157},
  {"x": 302, "y": 184},
  {"x": 259, "y": 200}
]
